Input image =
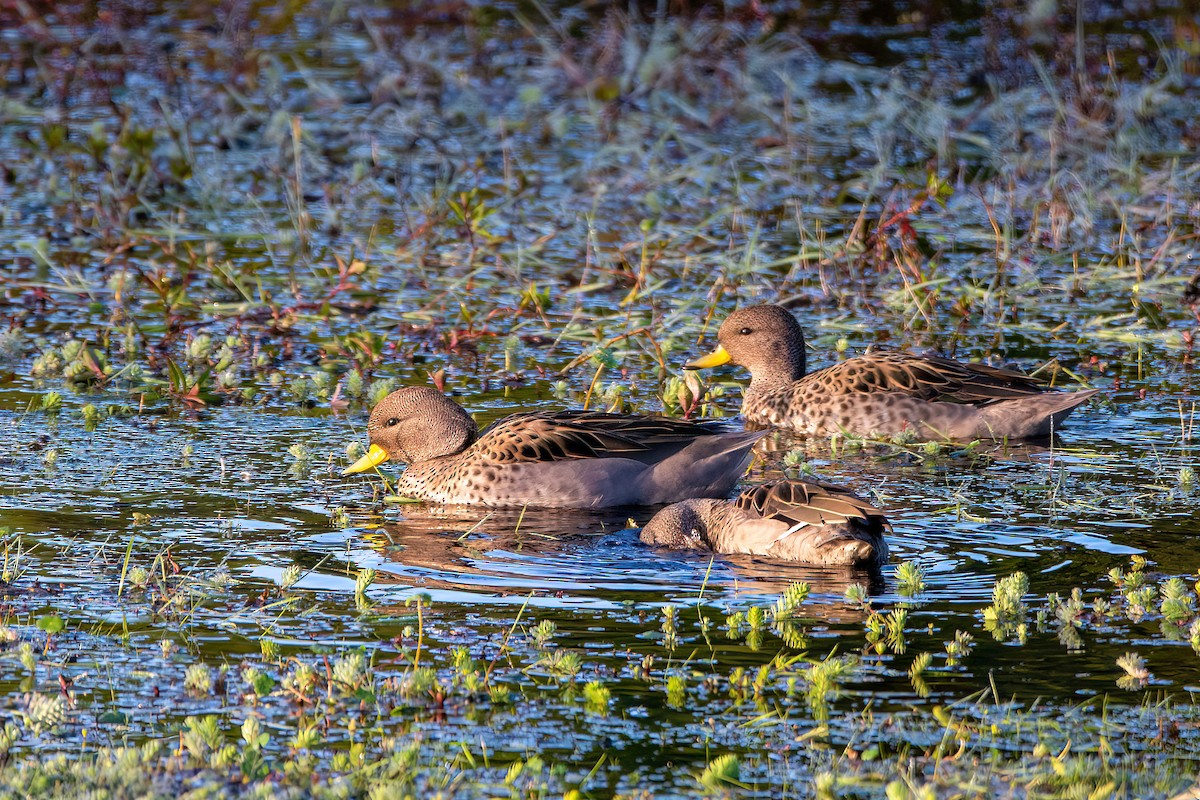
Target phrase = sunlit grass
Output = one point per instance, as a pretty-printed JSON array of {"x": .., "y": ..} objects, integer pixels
[{"x": 300, "y": 209}]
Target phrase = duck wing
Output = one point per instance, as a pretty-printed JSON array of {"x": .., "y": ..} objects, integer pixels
[
  {"x": 925, "y": 377},
  {"x": 802, "y": 503},
  {"x": 564, "y": 435}
]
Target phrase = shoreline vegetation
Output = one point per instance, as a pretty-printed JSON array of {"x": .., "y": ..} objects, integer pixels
[{"x": 229, "y": 231}]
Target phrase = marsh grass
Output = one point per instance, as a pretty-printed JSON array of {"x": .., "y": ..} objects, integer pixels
[{"x": 287, "y": 214}]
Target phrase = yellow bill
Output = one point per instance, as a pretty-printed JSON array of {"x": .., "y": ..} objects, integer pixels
[
  {"x": 714, "y": 359},
  {"x": 373, "y": 458}
]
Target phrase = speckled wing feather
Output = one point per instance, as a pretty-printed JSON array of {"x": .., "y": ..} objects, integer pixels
[
  {"x": 557, "y": 436},
  {"x": 925, "y": 377},
  {"x": 808, "y": 502}
]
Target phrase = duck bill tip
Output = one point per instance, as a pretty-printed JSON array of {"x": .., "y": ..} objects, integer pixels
[
  {"x": 372, "y": 458},
  {"x": 714, "y": 359}
]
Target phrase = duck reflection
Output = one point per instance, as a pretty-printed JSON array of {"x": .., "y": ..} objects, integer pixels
[{"x": 577, "y": 557}]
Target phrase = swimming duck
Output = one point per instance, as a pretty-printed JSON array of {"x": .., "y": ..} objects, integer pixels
[
  {"x": 884, "y": 393},
  {"x": 555, "y": 459},
  {"x": 796, "y": 520}
]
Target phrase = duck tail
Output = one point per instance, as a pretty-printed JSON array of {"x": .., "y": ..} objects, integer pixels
[
  {"x": 1032, "y": 416},
  {"x": 709, "y": 467}
]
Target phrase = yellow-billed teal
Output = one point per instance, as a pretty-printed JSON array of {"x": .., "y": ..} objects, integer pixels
[
  {"x": 809, "y": 521},
  {"x": 564, "y": 459},
  {"x": 883, "y": 393}
]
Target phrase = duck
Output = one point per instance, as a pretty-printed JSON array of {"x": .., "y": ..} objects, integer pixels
[
  {"x": 884, "y": 393},
  {"x": 549, "y": 459},
  {"x": 806, "y": 521}
]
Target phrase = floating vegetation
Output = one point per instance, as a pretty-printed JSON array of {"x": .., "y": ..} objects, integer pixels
[{"x": 225, "y": 243}]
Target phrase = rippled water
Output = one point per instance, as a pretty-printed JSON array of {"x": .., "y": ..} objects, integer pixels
[{"x": 1065, "y": 516}]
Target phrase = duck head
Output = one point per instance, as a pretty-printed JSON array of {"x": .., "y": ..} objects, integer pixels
[
  {"x": 682, "y": 525},
  {"x": 415, "y": 424},
  {"x": 764, "y": 339}
]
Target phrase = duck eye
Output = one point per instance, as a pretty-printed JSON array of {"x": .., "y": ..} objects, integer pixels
[
  {"x": 392, "y": 422},
  {"x": 745, "y": 331}
]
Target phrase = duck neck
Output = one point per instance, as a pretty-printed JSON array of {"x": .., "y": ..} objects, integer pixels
[{"x": 784, "y": 365}]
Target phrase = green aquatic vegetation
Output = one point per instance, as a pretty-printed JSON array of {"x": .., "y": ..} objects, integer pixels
[
  {"x": 723, "y": 771},
  {"x": 354, "y": 451},
  {"x": 916, "y": 673},
  {"x": 91, "y": 417},
  {"x": 41, "y": 713},
  {"x": 300, "y": 682},
  {"x": 350, "y": 671},
  {"x": 670, "y": 627},
  {"x": 895, "y": 621},
  {"x": 1186, "y": 477},
  {"x": 676, "y": 691},
  {"x": 270, "y": 650},
  {"x": 302, "y": 459},
  {"x": 240, "y": 744},
  {"x": 1136, "y": 675},
  {"x": 596, "y": 697},
  {"x": 290, "y": 576},
  {"x": 257, "y": 681},
  {"x": 797, "y": 461},
  {"x": 49, "y": 363},
  {"x": 792, "y": 598},
  {"x": 418, "y": 683},
  {"x": 199, "y": 348},
  {"x": 139, "y": 577},
  {"x": 563, "y": 665},
  {"x": 756, "y": 617},
  {"x": 823, "y": 681},
  {"x": 1068, "y": 612},
  {"x": 886, "y": 632},
  {"x": 1140, "y": 601},
  {"x": 910, "y": 578},
  {"x": 322, "y": 384},
  {"x": 484, "y": 206},
  {"x": 959, "y": 648},
  {"x": 856, "y": 593},
  {"x": 683, "y": 396},
  {"x": 1007, "y": 614},
  {"x": 339, "y": 517},
  {"x": 1178, "y": 603},
  {"x": 1133, "y": 602},
  {"x": 27, "y": 656},
  {"x": 543, "y": 633},
  {"x": 354, "y": 387},
  {"x": 499, "y": 695},
  {"x": 300, "y": 389},
  {"x": 379, "y": 389},
  {"x": 198, "y": 679}
]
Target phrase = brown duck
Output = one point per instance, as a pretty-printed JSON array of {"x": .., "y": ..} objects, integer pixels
[
  {"x": 563, "y": 459},
  {"x": 794, "y": 520},
  {"x": 883, "y": 393}
]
